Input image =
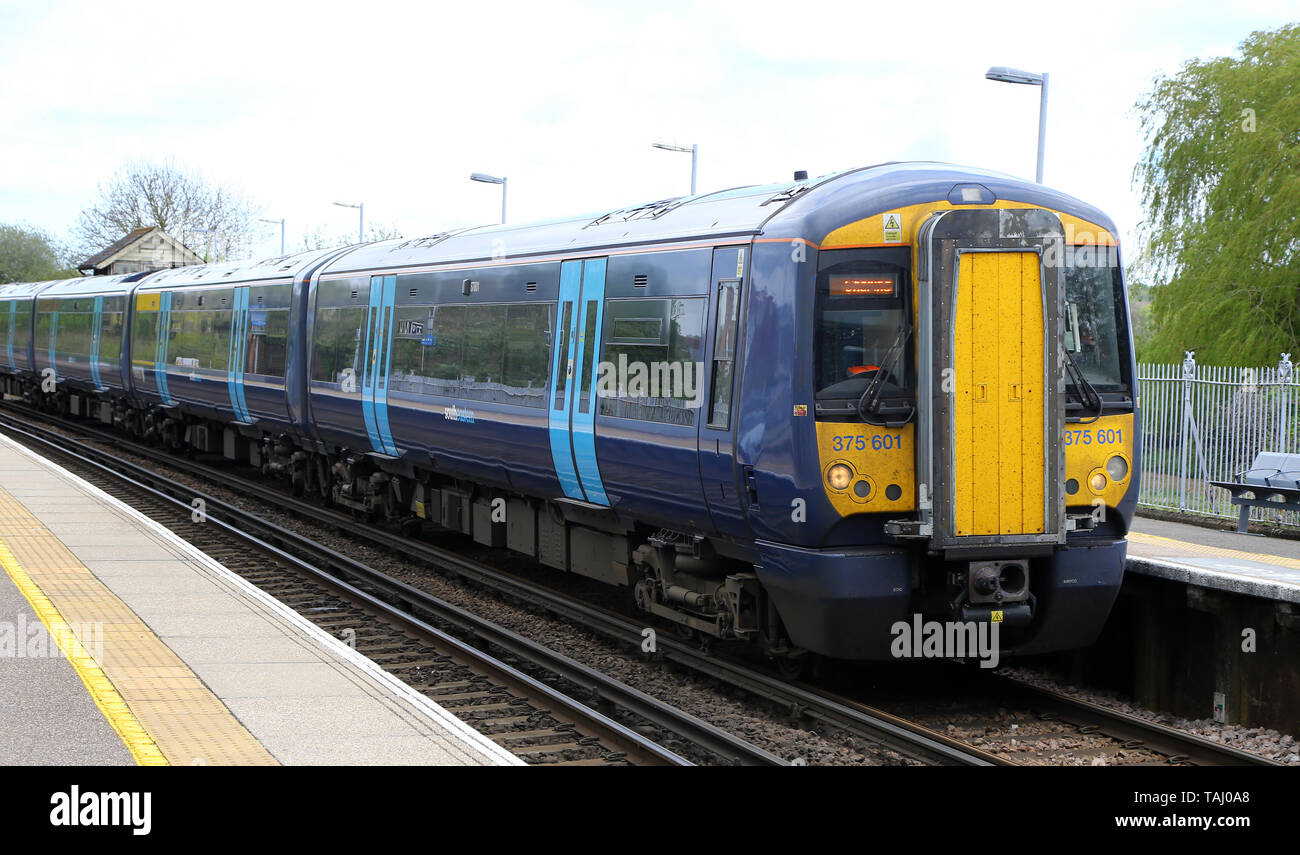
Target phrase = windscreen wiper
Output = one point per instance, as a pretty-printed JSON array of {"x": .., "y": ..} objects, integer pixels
[
  {"x": 1081, "y": 387},
  {"x": 869, "y": 406}
]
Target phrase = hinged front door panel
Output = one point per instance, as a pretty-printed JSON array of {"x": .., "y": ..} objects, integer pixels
[{"x": 999, "y": 441}]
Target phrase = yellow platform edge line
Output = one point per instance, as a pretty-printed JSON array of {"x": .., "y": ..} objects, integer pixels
[
  {"x": 1215, "y": 551},
  {"x": 106, "y": 697}
]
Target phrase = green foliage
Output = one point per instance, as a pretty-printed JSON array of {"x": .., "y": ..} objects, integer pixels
[
  {"x": 30, "y": 255},
  {"x": 1220, "y": 181}
]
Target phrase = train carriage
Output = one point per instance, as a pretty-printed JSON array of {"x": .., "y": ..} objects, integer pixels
[
  {"x": 16, "y": 334},
  {"x": 79, "y": 343},
  {"x": 793, "y": 414},
  {"x": 217, "y": 352}
]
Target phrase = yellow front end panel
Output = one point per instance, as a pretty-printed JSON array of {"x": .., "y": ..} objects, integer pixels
[
  {"x": 999, "y": 445},
  {"x": 884, "y": 458}
]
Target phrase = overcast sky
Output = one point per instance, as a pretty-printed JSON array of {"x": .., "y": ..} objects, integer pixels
[{"x": 395, "y": 104}]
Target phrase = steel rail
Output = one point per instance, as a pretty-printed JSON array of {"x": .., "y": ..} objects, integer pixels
[
  {"x": 907, "y": 738},
  {"x": 603, "y": 688}
]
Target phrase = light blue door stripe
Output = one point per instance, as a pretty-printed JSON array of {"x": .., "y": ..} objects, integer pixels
[
  {"x": 235, "y": 360},
  {"x": 160, "y": 355},
  {"x": 561, "y": 447},
  {"x": 584, "y": 424},
  {"x": 231, "y": 381},
  {"x": 386, "y": 331},
  {"x": 241, "y": 353},
  {"x": 96, "y": 327},
  {"x": 243, "y": 356},
  {"x": 13, "y": 325},
  {"x": 367, "y": 375},
  {"x": 54, "y": 336}
]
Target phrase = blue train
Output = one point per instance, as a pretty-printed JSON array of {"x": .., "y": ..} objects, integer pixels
[{"x": 796, "y": 414}]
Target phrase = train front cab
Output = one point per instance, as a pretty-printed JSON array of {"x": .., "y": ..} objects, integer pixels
[{"x": 985, "y": 472}]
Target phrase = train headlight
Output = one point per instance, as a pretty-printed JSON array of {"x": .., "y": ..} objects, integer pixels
[
  {"x": 839, "y": 476},
  {"x": 1117, "y": 468},
  {"x": 1097, "y": 482}
]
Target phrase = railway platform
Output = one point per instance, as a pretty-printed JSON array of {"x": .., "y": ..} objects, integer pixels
[
  {"x": 1207, "y": 625},
  {"x": 122, "y": 644},
  {"x": 1247, "y": 564}
]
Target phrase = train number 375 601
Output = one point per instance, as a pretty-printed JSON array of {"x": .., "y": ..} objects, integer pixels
[
  {"x": 880, "y": 442},
  {"x": 1100, "y": 436}
]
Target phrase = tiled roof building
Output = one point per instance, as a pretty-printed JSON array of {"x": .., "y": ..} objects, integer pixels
[{"x": 148, "y": 248}]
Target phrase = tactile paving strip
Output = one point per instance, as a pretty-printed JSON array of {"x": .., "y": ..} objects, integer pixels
[
  {"x": 163, "y": 712},
  {"x": 1169, "y": 546}
]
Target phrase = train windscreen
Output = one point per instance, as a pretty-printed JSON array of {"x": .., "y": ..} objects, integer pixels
[
  {"x": 861, "y": 333},
  {"x": 1096, "y": 330}
]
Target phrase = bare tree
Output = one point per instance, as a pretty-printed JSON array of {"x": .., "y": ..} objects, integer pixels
[{"x": 214, "y": 221}]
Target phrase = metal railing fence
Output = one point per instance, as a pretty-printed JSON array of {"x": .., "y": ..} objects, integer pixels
[{"x": 1207, "y": 422}]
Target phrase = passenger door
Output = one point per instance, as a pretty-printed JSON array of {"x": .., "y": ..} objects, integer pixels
[
  {"x": 717, "y": 446},
  {"x": 235, "y": 362},
  {"x": 96, "y": 331},
  {"x": 574, "y": 357},
  {"x": 375, "y": 367}
]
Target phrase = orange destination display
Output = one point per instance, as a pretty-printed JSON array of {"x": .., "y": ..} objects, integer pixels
[{"x": 874, "y": 285}]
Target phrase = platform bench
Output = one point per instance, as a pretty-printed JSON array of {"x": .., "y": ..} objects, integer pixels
[{"x": 1272, "y": 481}]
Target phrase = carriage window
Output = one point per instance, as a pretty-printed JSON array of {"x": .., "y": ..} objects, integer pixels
[
  {"x": 562, "y": 358},
  {"x": 72, "y": 333},
  {"x": 412, "y": 351},
  {"x": 199, "y": 340},
  {"x": 110, "y": 335},
  {"x": 724, "y": 353},
  {"x": 265, "y": 344},
  {"x": 480, "y": 370},
  {"x": 527, "y": 353},
  {"x": 337, "y": 345},
  {"x": 483, "y": 352},
  {"x": 44, "y": 324},
  {"x": 653, "y": 360},
  {"x": 587, "y": 343},
  {"x": 144, "y": 339},
  {"x": 446, "y": 350},
  {"x": 22, "y": 328}
]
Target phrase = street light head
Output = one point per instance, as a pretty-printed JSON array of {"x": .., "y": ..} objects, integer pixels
[
  {"x": 1003, "y": 74},
  {"x": 670, "y": 146},
  {"x": 348, "y": 204},
  {"x": 486, "y": 179}
]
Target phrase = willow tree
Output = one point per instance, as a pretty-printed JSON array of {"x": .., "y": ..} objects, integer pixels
[{"x": 1220, "y": 182}]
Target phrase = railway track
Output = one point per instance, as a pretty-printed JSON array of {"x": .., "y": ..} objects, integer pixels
[
  {"x": 904, "y": 734},
  {"x": 393, "y": 625}
]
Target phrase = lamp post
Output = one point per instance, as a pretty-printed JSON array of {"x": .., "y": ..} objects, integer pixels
[
  {"x": 360, "y": 206},
  {"x": 695, "y": 157},
  {"x": 492, "y": 179},
  {"x": 1002, "y": 74},
  {"x": 273, "y": 222}
]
